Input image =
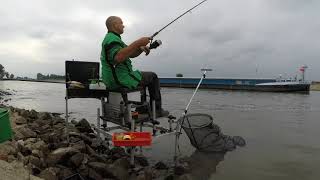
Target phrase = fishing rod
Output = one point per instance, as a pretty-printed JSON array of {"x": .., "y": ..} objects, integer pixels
[{"x": 157, "y": 43}]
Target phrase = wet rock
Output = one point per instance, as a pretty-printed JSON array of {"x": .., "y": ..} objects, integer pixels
[
  {"x": 239, "y": 141},
  {"x": 84, "y": 126},
  {"x": 229, "y": 145}
]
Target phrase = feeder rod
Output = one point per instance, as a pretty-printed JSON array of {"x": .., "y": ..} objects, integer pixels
[{"x": 189, "y": 10}]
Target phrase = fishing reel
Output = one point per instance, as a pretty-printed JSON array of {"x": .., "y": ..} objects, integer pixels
[{"x": 155, "y": 44}]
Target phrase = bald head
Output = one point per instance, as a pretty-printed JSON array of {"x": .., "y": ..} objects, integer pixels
[{"x": 115, "y": 24}]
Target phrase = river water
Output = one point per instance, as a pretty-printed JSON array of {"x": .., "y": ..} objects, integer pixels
[{"x": 281, "y": 129}]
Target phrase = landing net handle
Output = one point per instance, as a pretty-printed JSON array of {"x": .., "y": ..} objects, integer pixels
[{"x": 178, "y": 127}]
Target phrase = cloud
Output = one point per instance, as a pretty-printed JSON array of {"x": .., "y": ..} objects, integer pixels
[{"x": 233, "y": 37}]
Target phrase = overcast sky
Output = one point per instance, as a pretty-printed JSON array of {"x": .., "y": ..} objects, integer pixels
[{"x": 236, "y": 38}]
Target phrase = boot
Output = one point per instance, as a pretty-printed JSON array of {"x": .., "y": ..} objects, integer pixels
[{"x": 162, "y": 113}]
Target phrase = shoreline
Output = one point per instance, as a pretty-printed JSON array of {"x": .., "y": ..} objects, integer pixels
[{"x": 39, "y": 143}]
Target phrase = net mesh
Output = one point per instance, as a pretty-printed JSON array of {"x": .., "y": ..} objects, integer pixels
[{"x": 202, "y": 132}]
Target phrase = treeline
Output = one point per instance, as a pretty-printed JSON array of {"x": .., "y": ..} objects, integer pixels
[
  {"x": 5, "y": 74},
  {"x": 49, "y": 76}
]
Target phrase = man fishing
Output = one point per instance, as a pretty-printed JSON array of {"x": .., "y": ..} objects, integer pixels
[{"x": 116, "y": 64}]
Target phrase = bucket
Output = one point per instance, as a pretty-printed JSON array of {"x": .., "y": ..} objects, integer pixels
[{"x": 5, "y": 127}]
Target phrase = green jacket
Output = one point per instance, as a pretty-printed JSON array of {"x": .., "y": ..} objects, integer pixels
[{"x": 117, "y": 75}]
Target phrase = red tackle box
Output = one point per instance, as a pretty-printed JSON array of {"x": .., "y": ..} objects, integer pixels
[{"x": 132, "y": 139}]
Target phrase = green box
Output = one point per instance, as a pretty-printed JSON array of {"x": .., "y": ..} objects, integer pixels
[{"x": 5, "y": 127}]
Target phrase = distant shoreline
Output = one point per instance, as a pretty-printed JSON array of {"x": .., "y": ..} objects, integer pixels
[
  {"x": 34, "y": 80},
  {"x": 315, "y": 86}
]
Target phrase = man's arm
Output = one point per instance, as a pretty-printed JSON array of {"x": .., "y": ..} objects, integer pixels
[
  {"x": 136, "y": 53},
  {"x": 131, "y": 50}
]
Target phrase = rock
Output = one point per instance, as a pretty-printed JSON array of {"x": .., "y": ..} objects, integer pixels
[
  {"x": 74, "y": 122},
  {"x": 229, "y": 144},
  {"x": 49, "y": 174},
  {"x": 35, "y": 161},
  {"x": 119, "y": 172},
  {"x": 24, "y": 133},
  {"x": 15, "y": 171},
  {"x": 30, "y": 141},
  {"x": 123, "y": 163},
  {"x": 61, "y": 155},
  {"x": 239, "y": 141},
  {"x": 37, "y": 153},
  {"x": 44, "y": 116},
  {"x": 34, "y": 126},
  {"x": 65, "y": 173},
  {"x": 76, "y": 160},
  {"x": 21, "y": 158},
  {"x": 90, "y": 151},
  {"x": 92, "y": 174},
  {"x": 148, "y": 173},
  {"x": 142, "y": 161},
  {"x": 84, "y": 126},
  {"x": 117, "y": 152},
  {"x": 11, "y": 158},
  {"x": 120, "y": 169},
  {"x": 186, "y": 177},
  {"x": 7, "y": 148},
  {"x": 20, "y": 120},
  {"x": 33, "y": 114},
  {"x": 80, "y": 146},
  {"x": 40, "y": 145},
  {"x": 170, "y": 177},
  {"x": 86, "y": 139},
  {"x": 179, "y": 170},
  {"x": 160, "y": 165},
  {"x": 101, "y": 168}
]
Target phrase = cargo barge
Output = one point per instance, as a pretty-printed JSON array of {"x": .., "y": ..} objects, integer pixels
[{"x": 271, "y": 85}]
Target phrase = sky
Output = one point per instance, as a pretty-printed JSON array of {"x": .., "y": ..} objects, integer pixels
[{"x": 236, "y": 39}]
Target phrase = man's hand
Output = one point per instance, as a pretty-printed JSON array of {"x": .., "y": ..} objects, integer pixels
[
  {"x": 144, "y": 41},
  {"x": 145, "y": 49}
]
